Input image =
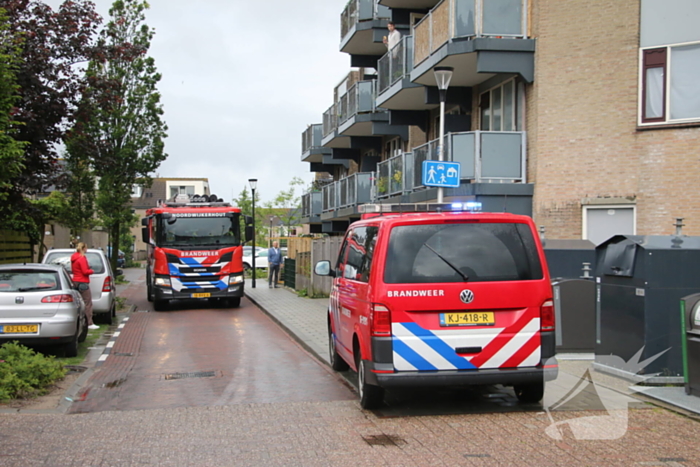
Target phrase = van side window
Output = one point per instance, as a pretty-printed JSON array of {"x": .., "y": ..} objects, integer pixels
[
  {"x": 370, "y": 242},
  {"x": 355, "y": 252}
]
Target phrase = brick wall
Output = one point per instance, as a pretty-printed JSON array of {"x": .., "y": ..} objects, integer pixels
[{"x": 583, "y": 140}]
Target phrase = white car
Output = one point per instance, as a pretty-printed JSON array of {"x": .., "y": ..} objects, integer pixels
[
  {"x": 260, "y": 259},
  {"x": 101, "y": 281},
  {"x": 39, "y": 305}
]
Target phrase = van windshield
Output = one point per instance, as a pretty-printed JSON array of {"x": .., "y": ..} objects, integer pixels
[{"x": 484, "y": 252}]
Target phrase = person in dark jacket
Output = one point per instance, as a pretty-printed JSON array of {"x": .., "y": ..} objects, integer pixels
[
  {"x": 81, "y": 276},
  {"x": 274, "y": 259}
]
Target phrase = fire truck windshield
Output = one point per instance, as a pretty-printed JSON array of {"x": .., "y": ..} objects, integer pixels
[{"x": 210, "y": 231}]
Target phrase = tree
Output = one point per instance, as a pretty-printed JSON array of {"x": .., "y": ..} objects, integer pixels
[
  {"x": 11, "y": 150},
  {"x": 54, "y": 42},
  {"x": 120, "y": 121},
  {"x": 287, "y": 204}
]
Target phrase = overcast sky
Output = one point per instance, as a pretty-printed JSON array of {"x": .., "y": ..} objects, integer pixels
[{"x": 242, "y": 79}]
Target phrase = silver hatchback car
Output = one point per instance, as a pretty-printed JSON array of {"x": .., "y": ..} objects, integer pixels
[
  {"x": 101, "y": 281},
  {"x": 39, "y": 305}
]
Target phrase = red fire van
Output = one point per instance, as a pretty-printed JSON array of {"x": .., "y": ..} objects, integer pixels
[{"x": 443, "y": 298}]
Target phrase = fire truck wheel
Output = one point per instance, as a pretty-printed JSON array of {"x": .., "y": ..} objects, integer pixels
[
  {"x": 337, "y": 362},
  {"x": 160, "y": 305},
  {"x": 234, "y": 302},
  {"x": 371, "y": 397},
  {"x": 530, "y": 393}
]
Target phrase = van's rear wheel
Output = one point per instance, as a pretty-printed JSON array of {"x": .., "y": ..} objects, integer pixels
[
  {"x": 529, "y": 393},
  {"x": 371, "y": 396},
  {"x": 337, "y": 362}
]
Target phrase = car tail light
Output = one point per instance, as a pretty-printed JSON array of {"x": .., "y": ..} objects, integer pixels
[
  {"x": 63, "y": 298},
  {"x": 380, "y": 321},
  {"x": 547, "y": 316},
  {"x": 107, "y": 286}
]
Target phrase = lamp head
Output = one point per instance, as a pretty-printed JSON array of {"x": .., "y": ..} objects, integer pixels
[
  {"x": 253, "y": 183},
  {"x": 443, "y": 75}
]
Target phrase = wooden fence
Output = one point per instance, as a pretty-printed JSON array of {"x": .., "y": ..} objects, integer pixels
[{"x": 15, "y": 248}]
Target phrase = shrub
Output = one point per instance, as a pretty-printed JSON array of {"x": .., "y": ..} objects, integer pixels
[{"x": 26, "y": 373}]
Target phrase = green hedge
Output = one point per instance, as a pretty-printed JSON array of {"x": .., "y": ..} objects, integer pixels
[{"x": 26, "y": 373}]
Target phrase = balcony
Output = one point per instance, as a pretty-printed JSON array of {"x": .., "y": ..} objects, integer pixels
[
  {"x": 357, "y": 110},
  {"x": 394, "y": 176},
  {"x": 395, "y": 89},
  {"x": 362, "y": 26},
  {"x": 331, "y": 137},
  {"x": 311, "y": 207},
  {"x": 311, "y": 148},
  {"x": 343, "y": 196},
  {"x": 479, "y": 38}
]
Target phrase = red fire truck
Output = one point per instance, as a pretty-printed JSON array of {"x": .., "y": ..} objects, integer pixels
[{"x": 194, "y": 250}]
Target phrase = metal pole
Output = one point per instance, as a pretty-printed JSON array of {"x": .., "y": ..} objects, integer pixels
[
  {"x": 441, "y": 147},
  {"x": 253, "y": 252}
]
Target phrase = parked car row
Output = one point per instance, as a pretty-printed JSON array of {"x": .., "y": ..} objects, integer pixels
[{"x": 261, "y": 261}]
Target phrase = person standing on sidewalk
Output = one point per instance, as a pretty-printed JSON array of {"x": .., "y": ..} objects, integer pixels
[
  {"x": 81, "y": 276},
  {"x": 274, "y": 259}
]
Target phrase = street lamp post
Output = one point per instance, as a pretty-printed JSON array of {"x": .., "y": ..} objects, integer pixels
[
  {"x": 443, "y": 75},
  {"x": 253, "y": 183},
  {"x": 270, "y": 233}
]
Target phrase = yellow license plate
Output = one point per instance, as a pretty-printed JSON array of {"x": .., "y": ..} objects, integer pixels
[
  {"x": 21, "y": 329},
  {"x": 471, "y": 318},
  {"x": 201, "y": 295}
]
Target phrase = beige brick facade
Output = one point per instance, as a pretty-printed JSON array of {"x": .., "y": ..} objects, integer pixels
[{"x": 583, "y": 139}]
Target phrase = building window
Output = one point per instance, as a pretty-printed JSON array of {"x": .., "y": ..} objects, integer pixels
[
  {"x": 181, "y": 190},
  {"x": 670, "y": 89},
  {"x": 136, "y": 191},
  {"x": 499, "y": 108},
  {"x": 600, "y": 222}
]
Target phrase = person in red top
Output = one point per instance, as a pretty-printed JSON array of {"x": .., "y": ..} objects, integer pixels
[{"x": 81, "y": 276}]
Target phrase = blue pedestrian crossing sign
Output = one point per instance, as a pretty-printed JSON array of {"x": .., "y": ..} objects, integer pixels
[{"x": 441, "y": 174}]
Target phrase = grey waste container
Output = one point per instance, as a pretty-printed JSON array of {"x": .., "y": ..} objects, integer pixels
[
  {"x": 574, "y": 308},
  {"x": 565, "y": 257},
  {"x": 690, "y": 313},
  {"x": 640, "y": 281}
]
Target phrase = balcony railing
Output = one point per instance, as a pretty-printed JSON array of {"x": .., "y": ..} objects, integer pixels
[
  {"x": 346, "y": 192},
  {"x": 484, "y": 156},
  {"x": 392, "y": 178},
  {"x": 468, "y": 19},
  {"x": 360, "y": 98},
  {"x": 396, "y": 64},
  {"x": 330, "y": 120},
  {"x": 311, "y": 138},
  {"x": 361, "y": 10},
  {"x": 311, "y": 204}
]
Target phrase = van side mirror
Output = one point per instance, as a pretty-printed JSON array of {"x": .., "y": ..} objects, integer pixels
[
  {"x": 323, "y": 268},
  {"x": 144, "y": 235},
  {"x": 144, "y": 222}
]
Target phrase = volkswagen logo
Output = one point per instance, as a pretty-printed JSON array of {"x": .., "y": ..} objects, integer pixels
[
  {"x": 19, "y": 300},
  {"x": 467, "y": 296}
]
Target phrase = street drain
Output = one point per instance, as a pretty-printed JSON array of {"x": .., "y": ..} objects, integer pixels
[
  {"x": 672, "y": 459},
  {"x": 123, "y": 354},
  {"x": 114, "y": 384},
  {"x": 384, "y": 440},
  {"x": 195, "y": 374},
  {"x": 477, "y": 455}
]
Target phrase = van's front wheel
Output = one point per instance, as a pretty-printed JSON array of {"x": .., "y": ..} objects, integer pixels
[
  {"x": 371, "y": 396},
  {"x": 529, "y": 393},
  {"x": 337, "y": 362}
]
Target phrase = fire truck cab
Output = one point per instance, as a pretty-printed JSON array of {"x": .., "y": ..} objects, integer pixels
[
  {"x": 194, "y": 250},
  {"x": 436, "y": 295}
]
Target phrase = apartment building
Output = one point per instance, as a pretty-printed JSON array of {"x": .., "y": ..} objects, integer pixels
[{"x": 584, "y": 114}]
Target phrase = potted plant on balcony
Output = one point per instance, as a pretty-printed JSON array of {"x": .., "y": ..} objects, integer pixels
[{"x": 382, "y": 185}]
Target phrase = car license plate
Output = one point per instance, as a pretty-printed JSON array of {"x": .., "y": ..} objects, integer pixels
[
  {"x": 20, "y": 329},
  {"x": 472, "y": 318},
  {"x": 201, "y": 295}
]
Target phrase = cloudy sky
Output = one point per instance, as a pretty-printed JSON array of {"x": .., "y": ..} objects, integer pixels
[{"x": 242, "y": 79}]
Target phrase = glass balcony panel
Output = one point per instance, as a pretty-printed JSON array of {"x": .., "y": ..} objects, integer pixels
[
  {"x": 408, "y": 43},
  {"x": 408, "y": 172},
  {"x": 420, "y": 154},
  {"x": 363, "y": 188},
  {"x": 503, "y": 17},
  {"x": 464, "y": 151},
  {"x": 384, "y": 72},
  {"x": 366, "y": 96},
  {"x": 382, "y": 11},
  {"x": 501, "y": 155},
  {"x": 365, "y": 10},
  {"x": 330, "y": 121},
  {"x": 326, "y": 198},
  {"x": 316, "y": 203},
  {"x": 383, "y": 179},
  {"x": 465, "y": 18},
  {"x": 348, "y": 18},
  {"x": 343, "y": 193},
  {"x": 396, "y": 170}
]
